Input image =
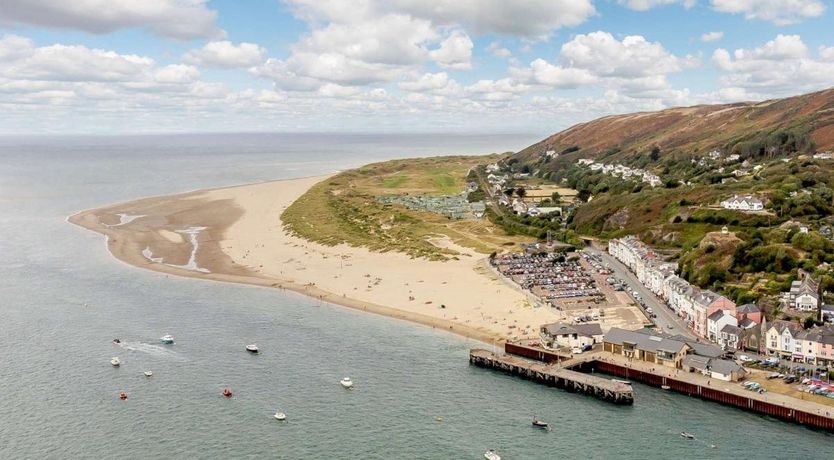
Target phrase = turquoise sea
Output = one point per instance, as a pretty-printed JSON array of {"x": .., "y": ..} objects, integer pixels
[{"x": 63, "y": 298}]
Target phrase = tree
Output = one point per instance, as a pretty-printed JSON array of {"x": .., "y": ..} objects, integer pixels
[
  {"x": 520, "y": 192},
  {"x": 655, "y": 154},
  {"x": 556, "y": 197}
]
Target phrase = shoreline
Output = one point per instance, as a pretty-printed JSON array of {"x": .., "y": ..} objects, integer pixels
[{"x": 227, "y": 213}]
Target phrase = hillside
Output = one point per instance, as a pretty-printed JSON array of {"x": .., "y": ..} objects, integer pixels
[
  {"x": 731, "y": 128},
  {"x": 662, "y": 176}
]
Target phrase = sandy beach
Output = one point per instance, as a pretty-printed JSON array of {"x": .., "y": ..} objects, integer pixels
[{"x": 235, "y": 234}]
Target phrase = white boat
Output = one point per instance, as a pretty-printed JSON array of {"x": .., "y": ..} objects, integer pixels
[
  {"x": 624, "y": 382},
  {"x": 115, "y": 361},
  {"x": 280, "y": 416},
  {"x": 686, "y": 435},
  {"x": 252, "y": 348},
  {"x": 346, "y": 382},
  {"x": 491, "y": 455},
  {"x": 148, "y": 374},
  {"x": 167, "y": 339}
]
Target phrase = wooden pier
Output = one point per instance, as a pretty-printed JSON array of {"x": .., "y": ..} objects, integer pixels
[{"x": 554, "y": 375}]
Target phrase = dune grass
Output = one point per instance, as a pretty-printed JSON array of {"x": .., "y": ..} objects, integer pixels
[{"x": 344, "y": 209}]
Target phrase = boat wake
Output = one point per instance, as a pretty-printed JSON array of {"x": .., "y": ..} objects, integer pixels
[{"x": 151, "y": 349}]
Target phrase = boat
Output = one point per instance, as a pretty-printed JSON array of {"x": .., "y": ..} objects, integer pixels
[
  {"x": 227, "y": 392},
  {"x": 624, "y": 382},
  {"x": 122, "y": 395},
  {"x": 346, "y": 382},
  {"x": 252, "y": 348},
  {"x": 491, "y": 455},
  {"x": 686, "y": 435},
  {"x": 167, "y": 339},
  {"x": 664, "y": 387},
  {"x": 117, "y": 341},
  {"x": 148, "y": 374},
  {"x": 280, "y": 416},
  {"x": 115, "y": 361},
  {"x": 539, "y": 423}
]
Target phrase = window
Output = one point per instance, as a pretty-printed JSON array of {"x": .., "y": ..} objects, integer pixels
[{"x": 666, "y": 355}]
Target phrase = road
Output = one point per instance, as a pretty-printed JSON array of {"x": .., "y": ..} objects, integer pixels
[{"x": 666, "y": 318}]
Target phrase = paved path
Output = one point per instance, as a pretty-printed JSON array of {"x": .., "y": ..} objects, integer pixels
[{"x": 666, "y": 318}]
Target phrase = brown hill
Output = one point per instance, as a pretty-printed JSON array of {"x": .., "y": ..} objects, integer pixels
[{"x": 738, "y": 127}]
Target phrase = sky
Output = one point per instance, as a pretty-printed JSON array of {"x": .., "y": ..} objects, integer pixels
[{"x": 473, "y": 66}]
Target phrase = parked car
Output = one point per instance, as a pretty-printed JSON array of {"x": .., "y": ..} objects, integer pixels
[
  {"x": 744, "y": 359},
  {"x": 772, "y": 361}
]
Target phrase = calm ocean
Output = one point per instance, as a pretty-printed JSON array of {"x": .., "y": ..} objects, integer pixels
[{"x": 63, "y": 298}]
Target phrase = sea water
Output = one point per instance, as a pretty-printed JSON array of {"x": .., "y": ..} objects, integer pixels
[{"x": 63, "y": 299}]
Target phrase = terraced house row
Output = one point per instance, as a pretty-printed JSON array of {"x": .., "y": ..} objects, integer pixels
[{"x": 718, "y": 319}]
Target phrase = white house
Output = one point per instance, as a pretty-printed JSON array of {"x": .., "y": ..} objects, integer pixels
[
  {"x": 743, "y": 203},
  {"x": 716, "y": 322},
  {"x": 804, "y": 294},
  {"x": 557, "y": 335}
]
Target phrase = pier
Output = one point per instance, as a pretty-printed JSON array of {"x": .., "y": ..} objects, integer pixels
[
  {"x": 578, "y": 375},
  {"x": 554, "y": 375}
]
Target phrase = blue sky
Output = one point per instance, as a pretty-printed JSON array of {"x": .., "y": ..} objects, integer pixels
[{"x": 121, "y": 66}]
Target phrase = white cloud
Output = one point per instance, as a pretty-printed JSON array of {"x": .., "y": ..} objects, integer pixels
[
  {"x": 497, "y": 50},
  {"x": 633, "y": 56},
  {"x": 645, "y": 5},
  {"x": 779, "y": 67},
  {"x": 526, "y": 18},
  {"x": 827, "y": 53},
  {"x": 427, "y": 82},
  {"x": 547, "y": 74},
  {"x": 779, "y": 12},
  {"x": 181, "y": 19},
  {"x": 225, "y": 54},
  {"x": 455, "y": 52},
  {"x": 710, "y": 37}
]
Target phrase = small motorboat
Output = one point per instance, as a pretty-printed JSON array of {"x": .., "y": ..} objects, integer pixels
[
  {"x": 167, "y": 339},
  {"x": 280, "y": 416},
  {"x": 122, "y": 395},
  {"x": 227, "y": 392},
  {"x": 624, "y": 382},
  {"x": 117, "y": 341},
  {"x": 686, "y": 435},
  {"x": 148, "y": 374},
  {"x": 665, "y": 387},
  {"x": 346, "y": 382},
  {"x": 491, "y": 455},
  {"x": 252, "y": 348},
  {"x": 540, "y": 423},
  {"x": 115, "y": 361}
]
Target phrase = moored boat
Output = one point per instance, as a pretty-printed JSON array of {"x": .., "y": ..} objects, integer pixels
[
  {"x": 148, "y": 374},
  {"x": 117, "y": 341},
  {"x": 624, "y": 382},
  {"x": 665, "y": 387},
  {"x": 686, "y": 435},
  {"x": 168, "y": 339},
  {"x": 252, "y": 348},
  {"x": 115, "y": 362},
  {"x": 346, "y": 382},
  {"x": 280, "y": 416},
  {"x": 540, "y": 423},
  {"x": 227, "y": 392},
  {"x": 122, "y": 395}
]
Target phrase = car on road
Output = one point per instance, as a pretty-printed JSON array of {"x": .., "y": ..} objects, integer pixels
[{"x": 744, "y": 359}]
